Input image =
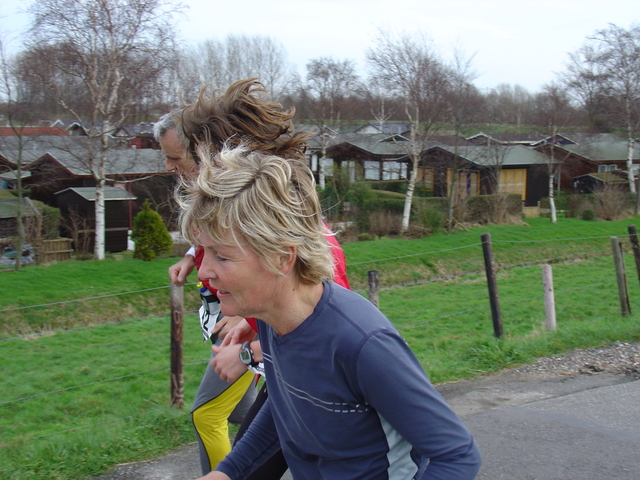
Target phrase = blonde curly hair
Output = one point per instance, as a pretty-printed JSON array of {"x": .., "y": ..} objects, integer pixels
[{"x": 268, "y": 203}]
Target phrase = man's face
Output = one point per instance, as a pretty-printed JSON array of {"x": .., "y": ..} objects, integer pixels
[{"x": 177, "y": 159}]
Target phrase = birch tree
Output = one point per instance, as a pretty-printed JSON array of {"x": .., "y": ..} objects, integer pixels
[
  {"x": 554, "y": 111},
  {"x": 411, "y": 69},
  {"x": 112, "y": 52},
  {"x": 614, "y": 54}
]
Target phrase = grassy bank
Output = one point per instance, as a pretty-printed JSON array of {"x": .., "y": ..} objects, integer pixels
[{"x": 88, "y": 386}]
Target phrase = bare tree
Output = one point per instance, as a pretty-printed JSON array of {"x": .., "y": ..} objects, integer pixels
[
  {"x": 329, "y": 82},
  {"x": 584, "y": 79},
  {"x": 222, "y": 62},
  {"x": 612, "y": 59},
  {"x": 376, "y": 94},
  {"x": 11, "y": 111},
  {"x": 410, "y": 68},
  {"x": 99, "y": 60},
  {"x": 464, "y": 102},
  {"x": 509, "y": 104}
]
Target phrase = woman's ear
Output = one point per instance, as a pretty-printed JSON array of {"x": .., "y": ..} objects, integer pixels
[{"x": 287, "y": 260}]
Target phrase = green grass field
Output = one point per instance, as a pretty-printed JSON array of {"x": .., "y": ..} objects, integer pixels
[{"x": 85, "y": 384}]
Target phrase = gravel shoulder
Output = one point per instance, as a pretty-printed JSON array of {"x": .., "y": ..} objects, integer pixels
[{"x": 548, "y": 377}]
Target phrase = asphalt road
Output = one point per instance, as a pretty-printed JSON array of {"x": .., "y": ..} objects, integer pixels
[{"x": 584, "y": 427}]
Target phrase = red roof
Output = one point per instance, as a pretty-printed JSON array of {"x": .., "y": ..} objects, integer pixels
[{"x": 33, "y": 131}]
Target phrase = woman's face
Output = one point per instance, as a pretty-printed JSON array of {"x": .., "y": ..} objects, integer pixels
[{"x": 245, "y": 287}]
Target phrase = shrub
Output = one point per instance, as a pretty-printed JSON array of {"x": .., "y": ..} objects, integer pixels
[
  {"x": 429, "y": 217},
  {"x": 149, "y": 234},
  {"x": 612, "y": 202},
  {"x": 577, "y": 203},
  {"x": 396, "y": 186},
  {"x": 588, "y": 214},
  {"x": 383, "y": 223},
  {"x": 494, "y": 208},
  {"x": 366, "y": 237}
]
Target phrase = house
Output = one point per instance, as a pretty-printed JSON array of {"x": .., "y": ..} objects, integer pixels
[
  {"x": 33, "y": 132},
  {"x": 384, "y": 128},
  {"x": 137, "y": 136},
  {"x": 587, "y": 158},
  {"x": 9, "y": 179},
  {"x": 72, "y": 127},
  {"x": 375, "y": 156},
  {"x": 9, "y": 218},
  {"x": 482, "y": 170},
  {"x": 57, "y": 163},
  {"x": 593, "y": 182},
  {"x": 525, "y": 139},
  {"x": 371, "y": 156},
  {"x": 78, "y": 204}
]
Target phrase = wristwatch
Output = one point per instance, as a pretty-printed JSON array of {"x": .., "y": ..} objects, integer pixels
[{"x": 246, "y": 355}]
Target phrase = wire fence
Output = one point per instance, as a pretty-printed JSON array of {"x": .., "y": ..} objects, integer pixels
[{"x": 78, "y": 388}]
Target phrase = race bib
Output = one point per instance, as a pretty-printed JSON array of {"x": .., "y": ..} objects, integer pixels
[{"x": 209, "y": 315}]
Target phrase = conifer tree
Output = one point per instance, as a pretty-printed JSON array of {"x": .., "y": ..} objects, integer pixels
[{"x": 149, "y": 234}]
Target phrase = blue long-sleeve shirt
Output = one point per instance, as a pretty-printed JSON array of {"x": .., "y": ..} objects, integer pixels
[{"x": 349, "y": 400}]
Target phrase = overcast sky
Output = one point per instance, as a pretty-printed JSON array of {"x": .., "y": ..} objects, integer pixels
[{"x": 521, "y": 42}]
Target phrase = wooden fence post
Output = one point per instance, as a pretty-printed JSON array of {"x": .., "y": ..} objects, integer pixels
[
  {"x": 549, "y": 300},
  {"x": 492, "y": 284},
  {"x": 635, "y": 246},
  {"x": 373, "y": 288},
  {"x": 177, "y": 379},
  {"x": 621, "y": 276}
]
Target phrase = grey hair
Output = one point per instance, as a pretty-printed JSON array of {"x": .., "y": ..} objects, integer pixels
[{"x": 165, "y": 123}]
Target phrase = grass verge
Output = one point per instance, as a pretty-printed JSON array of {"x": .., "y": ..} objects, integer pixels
[{"x": 79, "y": 395}]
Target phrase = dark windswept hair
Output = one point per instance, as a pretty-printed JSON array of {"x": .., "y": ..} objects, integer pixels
[{"x": 241, "y": 115}]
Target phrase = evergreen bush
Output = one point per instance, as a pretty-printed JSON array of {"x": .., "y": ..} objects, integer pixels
[
  {"x": 588, "y": 214},
  {"x": 149, "y": 234}
]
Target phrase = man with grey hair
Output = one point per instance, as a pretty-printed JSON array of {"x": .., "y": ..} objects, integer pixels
[{"x": 216, "y": 401}]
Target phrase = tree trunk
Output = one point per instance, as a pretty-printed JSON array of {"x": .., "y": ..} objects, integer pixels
[
  {"x": 552, "y": 201},
  {"x": 631, "y": 144},
  {"x": 321, "y": 176},
  {"x": 408, "y": 199},
  {"x": 631, "y": 177},
  {"x": 100, "y": 220},
  {"x": 452, "y": 195},
  {"x": 19, "y": 214},
  {"x": 21, "y": 232}
]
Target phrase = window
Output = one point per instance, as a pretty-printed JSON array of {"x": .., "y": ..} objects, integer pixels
[{"x": 607, "y": 168}]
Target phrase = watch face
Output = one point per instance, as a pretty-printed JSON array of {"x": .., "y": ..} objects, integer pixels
[{"x": 245, "y": 356}]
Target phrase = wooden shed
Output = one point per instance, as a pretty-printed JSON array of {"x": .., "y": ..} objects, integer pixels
[{"x": 79, "y": 202}]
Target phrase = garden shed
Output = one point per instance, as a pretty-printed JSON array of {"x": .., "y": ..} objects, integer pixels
[
  {"x": 9, "y": 222},
  {"x": 77, "y": 209},
  {"x": 593, "y": 182}
]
